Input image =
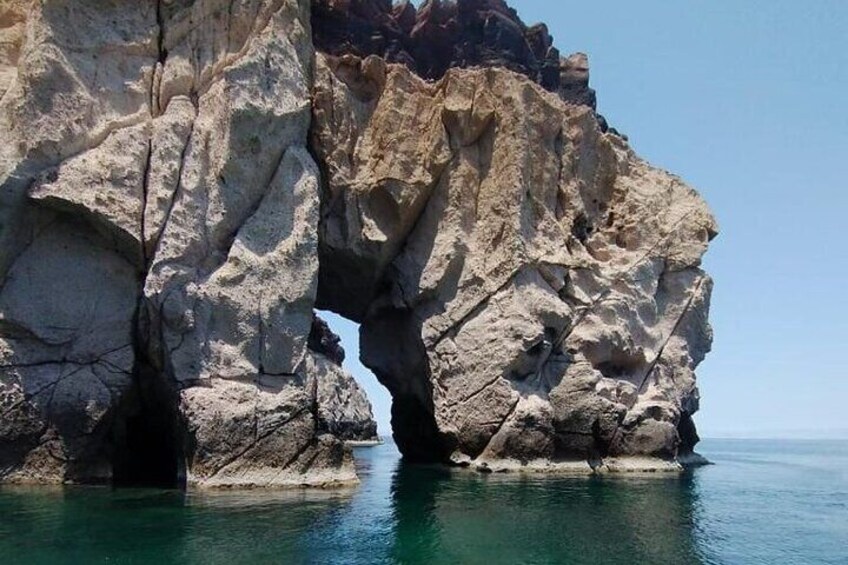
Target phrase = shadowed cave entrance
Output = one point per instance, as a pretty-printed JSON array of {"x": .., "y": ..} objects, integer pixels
[{"x": 146, "y": 450}]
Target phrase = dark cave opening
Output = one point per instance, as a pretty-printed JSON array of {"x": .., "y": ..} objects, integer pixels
[
  {"x": 149, "y": 459},
  {"x": 688, "y": 435},
  {"x": 391, "y": 340},
  {"x": 147, "y": 453},
  {"x": 415, "y": 432}
]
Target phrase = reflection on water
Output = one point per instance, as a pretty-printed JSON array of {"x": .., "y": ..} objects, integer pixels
[
  {"x": 465, "y": 518},
  {"x": 96, "y": 525},
  {"x": 761, "y": 504}
]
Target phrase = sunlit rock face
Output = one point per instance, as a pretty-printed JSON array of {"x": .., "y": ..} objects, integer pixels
[
  {"x": 159, "y": 244},
  {"x": 534, "y": 292},
  {"x": 182, "y": 182}
]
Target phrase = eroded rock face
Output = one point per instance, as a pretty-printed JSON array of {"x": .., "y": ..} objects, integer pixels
[
  {"x": 536, "y": 293},
  {"x": 343, "y": 407},
  {"x": 159, "y": 241},
  {"x": 173, "y": 174},
  {"x": 70, "y": 276}
]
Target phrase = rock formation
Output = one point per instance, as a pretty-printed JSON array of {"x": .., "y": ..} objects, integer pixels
[
  {"x": 183, "y": 181},
  {"x": 539, "y": 284},
  {"x": 322, "y": 340},
  {"x": 159, "y": 245},
  {"x": 343, "y": 408}
]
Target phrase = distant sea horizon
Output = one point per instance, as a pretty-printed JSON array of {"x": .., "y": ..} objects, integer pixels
[
  {"x": 840, "y": 434},
  {"x": 786, "y": 435}
]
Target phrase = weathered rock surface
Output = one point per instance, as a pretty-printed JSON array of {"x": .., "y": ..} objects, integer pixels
[
  {"x": 174, "y": 173},
  {"x": 70, "y": 281},
  {"x": 535, "y": 289},
  {"x": 159, "y": 244},
  {"x": 343, "y": 409}
]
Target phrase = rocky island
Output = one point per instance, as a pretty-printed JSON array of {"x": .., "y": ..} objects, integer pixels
[{"x": 184, "y": 182}]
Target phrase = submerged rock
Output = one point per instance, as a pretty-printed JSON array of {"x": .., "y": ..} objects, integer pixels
[{"x": 529, "y": 289}]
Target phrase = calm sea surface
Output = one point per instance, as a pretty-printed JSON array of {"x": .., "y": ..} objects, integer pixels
[{"x": 763, "y": 502}]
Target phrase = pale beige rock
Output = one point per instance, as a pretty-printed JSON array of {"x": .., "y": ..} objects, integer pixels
[
  {"x": 168, "y": 144},
  {"x": 543, "y": 298},
  {"x": 160, "y": 149},
  {"x": 374, "y": 200},
  {"x": 234, "y": 265},
  {"x": 12, "y": 29},
  {"x": 259, "y": 434},
  {"x": 84, "y": 70},
  {"x": 530, "y": 290},
  {"x": 106, "y": 184},
  {"x": 66, "y": 355},
  {"x": 68, "y": 298}
]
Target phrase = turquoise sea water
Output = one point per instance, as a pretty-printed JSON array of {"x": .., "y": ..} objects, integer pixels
[{"x": 762, "y": 502}]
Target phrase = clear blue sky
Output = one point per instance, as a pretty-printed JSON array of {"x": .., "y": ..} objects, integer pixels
[{"x": 748, "y": 101}]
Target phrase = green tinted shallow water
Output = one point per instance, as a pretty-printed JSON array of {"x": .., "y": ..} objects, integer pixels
[{"x": 763, "y": 502}]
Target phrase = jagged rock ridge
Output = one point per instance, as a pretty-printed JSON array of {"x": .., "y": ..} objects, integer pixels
[{"x": 442, "y": 35}]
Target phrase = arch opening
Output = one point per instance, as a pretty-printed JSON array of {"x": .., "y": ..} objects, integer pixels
[
  {"x": 391, "y": 366},
  {"x": 378, "y": 395}
]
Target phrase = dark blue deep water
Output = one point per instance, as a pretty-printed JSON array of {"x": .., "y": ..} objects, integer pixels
[{"x": 762, "y": 502}]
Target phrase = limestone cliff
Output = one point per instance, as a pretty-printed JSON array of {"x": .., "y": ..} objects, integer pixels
[
  {"x": 159, "y": 245},
  {"x": 183, "y": 181},
  {"x": 539, "y": 283}
]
